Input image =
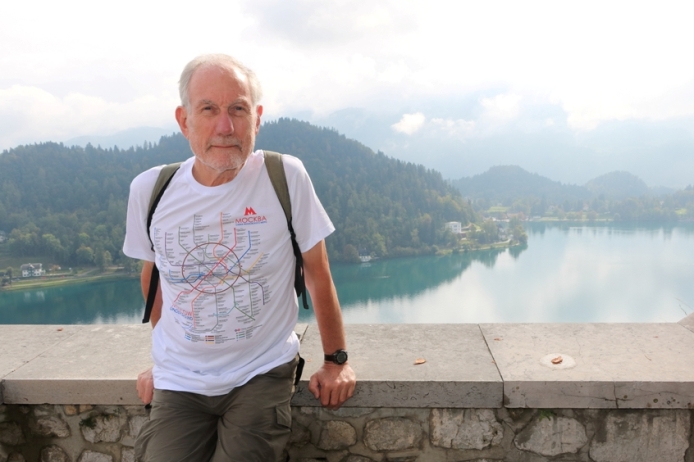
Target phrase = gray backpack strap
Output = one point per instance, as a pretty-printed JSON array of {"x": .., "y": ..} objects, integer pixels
[
  {"x": 278, "y": 178},
  {"x": 163, "y": 180},
  {"x": 275, "y": 170}
]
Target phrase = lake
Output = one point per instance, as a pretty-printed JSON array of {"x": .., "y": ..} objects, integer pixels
[{"x": 566, "y": 273}]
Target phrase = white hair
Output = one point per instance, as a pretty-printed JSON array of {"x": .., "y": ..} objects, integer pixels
[{"x": 223, "y": 62}]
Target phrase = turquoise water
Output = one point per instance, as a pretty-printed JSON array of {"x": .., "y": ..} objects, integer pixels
[{"x": 566, "y": 273}]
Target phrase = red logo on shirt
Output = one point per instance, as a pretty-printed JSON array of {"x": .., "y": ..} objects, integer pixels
[{"x": 250, "y": 218}]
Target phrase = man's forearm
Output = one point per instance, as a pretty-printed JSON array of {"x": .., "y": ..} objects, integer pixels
[
  {"x": 324, "y": 297},
  {"x": 332, "y": 384}
]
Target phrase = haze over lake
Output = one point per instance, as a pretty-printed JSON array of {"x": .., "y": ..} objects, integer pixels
[{"x": 567, "y": 273}]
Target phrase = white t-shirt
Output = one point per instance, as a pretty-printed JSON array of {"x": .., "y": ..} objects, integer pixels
[{"x": 227, "y": 272}]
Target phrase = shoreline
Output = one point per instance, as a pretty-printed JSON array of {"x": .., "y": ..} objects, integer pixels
[{"x": 57, "y": 281}]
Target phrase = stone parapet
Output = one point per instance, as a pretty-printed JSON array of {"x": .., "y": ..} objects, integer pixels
[
  {"x": 639, "y": 366},
  {"x": 490, "y": 392},
  {"x": 412, "y": 365},
  {"x": 596, "y": 366}
]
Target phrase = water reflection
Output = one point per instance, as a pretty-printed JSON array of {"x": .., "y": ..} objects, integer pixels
[
  {"x": 381, "y": 284},
  {"x": 95, "y": 303},
  {"x": 566, "y": 273},
  {"x": 405, "y": 277}
]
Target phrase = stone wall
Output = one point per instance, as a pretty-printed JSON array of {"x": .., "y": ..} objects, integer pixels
[
  {"x": 425, "y": 393},
  {"x": 85, "y": 433}
]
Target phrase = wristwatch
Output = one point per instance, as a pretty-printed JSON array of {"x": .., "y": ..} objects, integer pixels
[{"x": 339, "y": 357}]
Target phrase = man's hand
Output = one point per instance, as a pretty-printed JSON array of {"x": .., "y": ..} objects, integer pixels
[
  {"x": 145, "y": 386},
  {"x": 333, "y": 385}
]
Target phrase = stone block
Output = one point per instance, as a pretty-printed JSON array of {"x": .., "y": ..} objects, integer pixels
[
  {"x": 551, "y": 436},
  {"x": 464, "y": 429},
  {"x": 49, "y": 426},
  {"x": 135, "y": 424},
  {"x": 11, "y": 434},
  {"x": 93, "y": 456},
  {"x": 336, "y": 435},
  {"x": 687, "y": 322},
  {"x": 54, "y": 453},
  {"x": 21, "y": 344},
  {"x": 105, "y": 427},
  {"x": 458, "y": 372},
  {"x": 641, "y": 436},
  {"x": 127, "y": 455},
  {"x": 392, "y": 434},
  {"x": 601, "y": 366},
  {"x": 355, "y": 458},
  {"x": 16, "y": 457},
  {"x": 73, "y": 371},
  {"x": 300, "y": 435}
]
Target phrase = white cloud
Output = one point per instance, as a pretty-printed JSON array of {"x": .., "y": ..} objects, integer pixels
[
  {"x": 455, "y": 127},
  {"x": 410, "y": 123},
  {"x": 598, "y": 61},
  {"x": 31, "y": 114},
  {"x": 501, "y": 107}
]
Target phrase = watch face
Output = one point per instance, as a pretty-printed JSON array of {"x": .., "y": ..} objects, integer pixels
[{"x": 341, "y": 357}]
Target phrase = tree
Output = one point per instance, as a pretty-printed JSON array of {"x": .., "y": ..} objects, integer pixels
[
  {"x": 350, "y": 254},
  {"x": 517, "y": 231},
  {"x": 85, "y": 255},
  {"x": 103, "y": 259}
]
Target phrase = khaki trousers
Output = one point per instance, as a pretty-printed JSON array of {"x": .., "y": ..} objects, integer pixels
[{"x": 250, "y": 423}]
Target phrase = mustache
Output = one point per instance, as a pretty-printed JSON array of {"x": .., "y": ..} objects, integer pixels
[{"x": 225, "y": 142}]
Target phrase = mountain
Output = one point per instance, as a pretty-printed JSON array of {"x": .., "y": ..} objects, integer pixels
[
  {"x": 379, "y": 205},
  {"x": 510, "y": 182},
  {"x": 459, "y": 138},
  {"x": 618, "y": 185},
  {"x": 124, "y": 139},
  {"x": 70, "y": 202}
]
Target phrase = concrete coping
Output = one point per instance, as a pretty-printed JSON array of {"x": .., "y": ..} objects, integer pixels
[{"x": 628, "y": 366}]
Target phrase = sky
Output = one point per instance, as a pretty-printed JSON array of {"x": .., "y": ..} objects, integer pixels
[{"x": 569, "y": 90}]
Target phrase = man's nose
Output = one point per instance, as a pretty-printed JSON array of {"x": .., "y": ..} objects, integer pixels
[{"x": 225, "y": 126}]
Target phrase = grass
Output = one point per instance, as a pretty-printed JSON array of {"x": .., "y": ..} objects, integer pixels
[{"x": 67, "y": 279}]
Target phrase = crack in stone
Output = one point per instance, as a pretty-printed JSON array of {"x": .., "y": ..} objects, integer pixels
[{"x": 614, "y": 392}]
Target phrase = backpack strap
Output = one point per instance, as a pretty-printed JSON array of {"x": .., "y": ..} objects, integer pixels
[
  {"x": 163, "y": 180},
  {"x": 278, "y": 178}
]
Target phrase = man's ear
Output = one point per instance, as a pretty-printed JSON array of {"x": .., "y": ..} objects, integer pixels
[
  {"x": 182, "y": 119},
  {"x": 258, "y": 113}
]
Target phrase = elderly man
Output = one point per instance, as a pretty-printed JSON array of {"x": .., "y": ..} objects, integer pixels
[{"x": 223, "y": 345}]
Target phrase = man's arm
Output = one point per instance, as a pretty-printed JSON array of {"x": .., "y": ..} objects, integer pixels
[
  {"x": 332, "y": 384},
  {"x": 145, "y": 382}
]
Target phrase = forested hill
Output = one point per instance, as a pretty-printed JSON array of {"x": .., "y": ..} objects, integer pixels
[
  {"x": 510, "y": 182},
  {"x": 69, "y": 203},
  {"x": 613, "y": 196},
  {"x": 618, "y": 185},
  {"x": 378, "y": 204}
]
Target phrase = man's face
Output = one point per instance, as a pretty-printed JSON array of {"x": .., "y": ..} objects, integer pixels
[{"x": 221, "y": 121}]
